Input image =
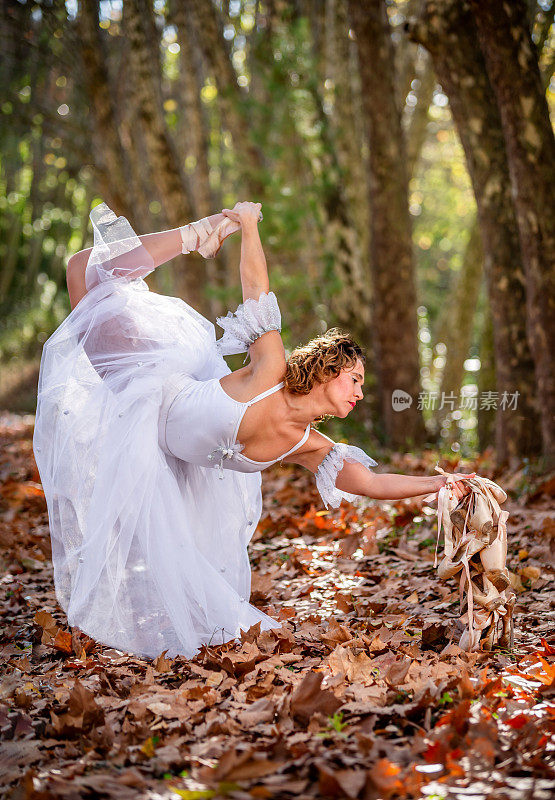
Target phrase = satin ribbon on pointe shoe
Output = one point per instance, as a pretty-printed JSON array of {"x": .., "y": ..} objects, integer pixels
[
  {"x": 489, "y": 495},
  {"x": 206, "y": 240}
]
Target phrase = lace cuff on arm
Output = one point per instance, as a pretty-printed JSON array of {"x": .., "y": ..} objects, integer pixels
[
  {"x": 248, "y": 323},
  {"x": 331, "y": 466}
]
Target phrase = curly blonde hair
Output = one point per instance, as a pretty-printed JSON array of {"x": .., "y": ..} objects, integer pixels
[{"x": 321, "y": 360}]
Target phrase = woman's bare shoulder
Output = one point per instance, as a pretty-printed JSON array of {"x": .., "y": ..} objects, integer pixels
[
  {"x": 247, "y": 382},
  {"x": 312, "y": 452}
]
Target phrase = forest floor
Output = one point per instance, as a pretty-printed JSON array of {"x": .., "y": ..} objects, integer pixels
[{"x": 362, "y": 693}]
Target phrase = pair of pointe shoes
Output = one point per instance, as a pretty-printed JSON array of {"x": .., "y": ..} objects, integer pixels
[
  {"x": 489, "y": 636},
  {"x": 205, "y": 238},
  {"x": 474, "y": 520}
]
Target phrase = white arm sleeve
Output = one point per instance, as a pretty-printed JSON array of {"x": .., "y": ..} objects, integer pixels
[
  {"x": 117, "y": 252},
  {"x": 251, "y": 319},
  {"x": 331, "y": 466}
]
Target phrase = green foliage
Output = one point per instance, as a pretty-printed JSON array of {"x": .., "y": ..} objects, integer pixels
[
  {"x": 52, "y": 167},
  {"x": 336, "y": 722}
]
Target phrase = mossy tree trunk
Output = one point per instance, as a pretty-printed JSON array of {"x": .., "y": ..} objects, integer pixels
[
  {"x": 512, "y": 64},
  {"x": 457, "y": 320},
  {"x": 105, "y": 130},
  {"x": 446, "y": 29},
  {"x": 166, "y": 168},
  {"x": 394, "y": 291}
]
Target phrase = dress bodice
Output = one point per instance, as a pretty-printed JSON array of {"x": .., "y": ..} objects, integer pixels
[{"x": 201, "y": 421}]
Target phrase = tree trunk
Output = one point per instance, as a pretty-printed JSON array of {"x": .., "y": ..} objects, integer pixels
[
  {"x": 513, "y": 70},
  {"x": 346, "y": 153},
  {"x": 417, "y": 123},
  {"x": 9, "y": 264},
  {"x": 96, "y": 83},
  {"x": 446, "y": 29},
  {"x": 209, "y": 32},
  {"x": 339, "y": 251},
  {"x": 394, "y": 321},
  {"x": 457, "y": 320},
  {"x": 406, "y": 56},
  {"x": 486, "y": 380},
  {"x": 166, "y": 168},
  {"x": 194, "y": 137},
  {"x": 455, "y": 328}
]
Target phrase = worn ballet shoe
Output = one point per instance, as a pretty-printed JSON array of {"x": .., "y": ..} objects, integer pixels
[
  {"x": 458, "y": 518},
  {"x": 493, "y": 559},
  {"x": 448, "y": 568},
  {"x": 499, "y": 578},
  {"x": 476, "y": 541},
  {"x": 496, "y": 490},
  {"x": 491, "y": 600},
  {"x": 489, "y": 636},
  {"x": 472, "y": 543},
  {"x": 469, "y": 640},
  {"x": 480, "y": 517},
  {"x": 459, "y": 515}
]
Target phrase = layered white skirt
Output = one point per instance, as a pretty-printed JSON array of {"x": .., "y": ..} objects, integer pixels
[{"x": 149, "y": 552}]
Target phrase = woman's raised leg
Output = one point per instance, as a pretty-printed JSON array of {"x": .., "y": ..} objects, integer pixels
[{"x": 205, "y": 236}]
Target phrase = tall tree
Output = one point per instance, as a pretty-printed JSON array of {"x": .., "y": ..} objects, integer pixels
[
  {"x": 446, "y": 29},
  {"x": 345, "y": 194},
  {"x": 96, "y": 84},
  {"x": 350, "y": 305},
  {"x": 193, "y": 140},
  {"x": 394, "y": 321},
  {"x": 486, "y": 379},
  {"x": 207, "y": 23},
  {"x": 194, "y": 130},
  {"x": 457, "y": 319},
  {"x": 166, "y": 167},
  {"x": 512, "y": 65}
]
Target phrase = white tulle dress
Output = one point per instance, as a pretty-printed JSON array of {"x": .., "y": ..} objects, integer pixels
[{"x": 151, "y": 503}]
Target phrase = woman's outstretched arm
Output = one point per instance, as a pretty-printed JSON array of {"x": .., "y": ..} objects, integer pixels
[
  {"x": 357, "y": 479},
  {"x": 253, "y": 267},
  {"x": 354, "y": 477}
]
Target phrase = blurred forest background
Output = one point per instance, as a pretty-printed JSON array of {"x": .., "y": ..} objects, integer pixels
[{"x": 403, "y": 153}]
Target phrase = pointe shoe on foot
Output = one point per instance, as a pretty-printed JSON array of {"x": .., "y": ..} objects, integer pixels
[{"x": 204, "y": 238}]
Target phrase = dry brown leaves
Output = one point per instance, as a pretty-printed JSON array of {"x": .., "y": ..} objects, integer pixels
[{"x": 363, "y": 693}]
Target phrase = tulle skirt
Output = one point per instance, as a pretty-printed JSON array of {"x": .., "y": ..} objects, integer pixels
[{"x": 149, "y": 552}]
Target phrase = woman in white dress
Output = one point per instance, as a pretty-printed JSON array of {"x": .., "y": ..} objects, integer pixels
[{"x": 150, "y": 449}]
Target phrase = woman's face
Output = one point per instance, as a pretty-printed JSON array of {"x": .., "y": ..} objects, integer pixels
[{"x": 345, "y": 391}]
